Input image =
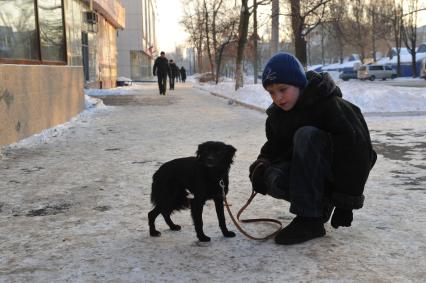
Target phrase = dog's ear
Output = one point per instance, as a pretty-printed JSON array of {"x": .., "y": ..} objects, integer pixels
[
  {"x": 231, "y": 151},
  {"x": 201, "y": 149}
]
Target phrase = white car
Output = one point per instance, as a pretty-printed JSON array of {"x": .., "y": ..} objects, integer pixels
[{"x": 372, "y": 72}]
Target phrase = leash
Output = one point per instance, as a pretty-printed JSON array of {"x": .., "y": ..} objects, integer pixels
[{"x": 253, "y": 194}]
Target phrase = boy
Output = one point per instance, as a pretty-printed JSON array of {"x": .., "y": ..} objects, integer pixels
[{"x": 318, "y": 152}]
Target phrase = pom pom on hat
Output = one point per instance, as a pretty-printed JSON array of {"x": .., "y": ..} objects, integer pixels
[{"x": 284, "y": 68}]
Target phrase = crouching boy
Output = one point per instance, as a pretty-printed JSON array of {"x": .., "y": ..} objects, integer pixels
[{"x": 318, "y": 152}]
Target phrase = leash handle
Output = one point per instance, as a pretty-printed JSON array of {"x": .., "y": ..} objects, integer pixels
[{"x": 253, "y": 194}]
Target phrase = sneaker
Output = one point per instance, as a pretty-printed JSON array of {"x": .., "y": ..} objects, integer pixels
[{"x": 300, "y": 230}]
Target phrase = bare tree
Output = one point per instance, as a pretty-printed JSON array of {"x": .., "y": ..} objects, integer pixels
[
  {"x": 409, "y": 32},
  {"x": 380, "y": 15},
  {"x": 359, "y": 27},
  {"x": 207, "y": 33},
  {"x": 336, "y": 28},
  {"x": 227, "y": 34},
  {"x": 242, "y": 39},
  {"x": 193, "y": 23},
  {"x": 305, "y": 17}
]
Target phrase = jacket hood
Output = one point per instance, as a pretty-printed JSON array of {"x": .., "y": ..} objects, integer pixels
[{"x": 320, "y": 86}]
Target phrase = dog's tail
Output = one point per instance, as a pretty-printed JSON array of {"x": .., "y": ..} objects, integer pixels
[{"x": 155, "y": 190}]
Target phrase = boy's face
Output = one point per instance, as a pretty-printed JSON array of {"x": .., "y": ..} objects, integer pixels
[{"x": 283, "y": 95}]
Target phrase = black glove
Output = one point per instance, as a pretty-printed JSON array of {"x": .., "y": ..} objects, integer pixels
[
  {"x": 257, "y": 162},
  {"x": 341, "y": 217},
  {"x": 257, "y": 170}
]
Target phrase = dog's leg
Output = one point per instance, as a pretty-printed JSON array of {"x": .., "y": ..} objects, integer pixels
[
  {"x": 169, "y": 221},
  {"x": 218, "y": 201},
  {"x": 152, "y": 215},
  {"x": 196, "y": 213}
]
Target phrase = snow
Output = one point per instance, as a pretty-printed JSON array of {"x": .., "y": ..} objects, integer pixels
[
  {"x": 92, "y": 106},
  {"x": 102, "y": 235},
  {"x": 347, "y": 64},
  {"x": 370, "y": 97},
  {"x": 405, "y": 58}
]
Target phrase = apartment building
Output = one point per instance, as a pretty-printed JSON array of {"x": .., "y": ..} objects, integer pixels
[{"x": 137, "y": 43}]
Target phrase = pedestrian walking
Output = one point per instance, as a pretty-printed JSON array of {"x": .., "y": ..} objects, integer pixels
[
  {"x": 162, "y": 69},
  {"x": 174, "y": 72},
  {"x": 183, "y": 74},
  {"x": 318, "y": 152}
]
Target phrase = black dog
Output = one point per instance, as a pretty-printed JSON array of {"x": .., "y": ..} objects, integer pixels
[{"x": 203, "y": 176}]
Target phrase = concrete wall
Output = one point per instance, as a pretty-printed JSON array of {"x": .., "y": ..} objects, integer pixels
[{"x": 37, "y": 97}]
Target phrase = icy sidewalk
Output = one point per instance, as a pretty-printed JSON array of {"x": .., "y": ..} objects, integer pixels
[{"x": 74, "y": 209}]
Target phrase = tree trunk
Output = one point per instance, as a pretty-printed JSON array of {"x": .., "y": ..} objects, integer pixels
[
  {"x": 242, "y": 40},
  {"x": 275, "y": 26},
  {"x": 255, "y": 52},
  {"x": 373, "y": 34},
  {"x": 322, "y": 45},
  {"x": 219, "y": 61},
  {"x": 200, "y": 58},
  {"x": 297, "y": 26},
  {"x": 207, "y": 30}
]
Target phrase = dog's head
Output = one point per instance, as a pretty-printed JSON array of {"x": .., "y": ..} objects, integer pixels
[{"x": 215, "y": 154}]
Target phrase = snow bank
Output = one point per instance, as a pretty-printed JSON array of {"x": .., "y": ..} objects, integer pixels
[
  {"x": 91, "y": 105},
  {"x": 370, "y": 97}
]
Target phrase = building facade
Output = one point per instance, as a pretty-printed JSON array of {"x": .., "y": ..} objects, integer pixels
[
  {"x": 48, "y": 51},
  {"x": 137, "y": 43}
]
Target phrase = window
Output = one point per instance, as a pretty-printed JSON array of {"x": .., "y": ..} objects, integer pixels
[
  {"x": 51, "y": 30},
  {"x": 376, "y": 68},
  {"x": 32, "y": 32},
  {"x": 388, "y": 68},
  {"x": 18, "y": 36}
]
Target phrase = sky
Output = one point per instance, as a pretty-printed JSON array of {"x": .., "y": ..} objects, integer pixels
[{"x": 169, "y": 31}]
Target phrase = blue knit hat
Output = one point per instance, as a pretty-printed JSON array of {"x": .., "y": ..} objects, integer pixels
[{"x": 284, "y": 68}]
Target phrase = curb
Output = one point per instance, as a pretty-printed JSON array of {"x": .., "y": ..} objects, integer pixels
[{"x": 232, "y": 101}]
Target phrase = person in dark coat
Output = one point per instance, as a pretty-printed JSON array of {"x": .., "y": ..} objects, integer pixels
[
  {"x": 183, "y": 74},
  {"x": 318, "y": 152},
  {"x": 174, "y": 73},
  {"x": 161, "y": 69}
]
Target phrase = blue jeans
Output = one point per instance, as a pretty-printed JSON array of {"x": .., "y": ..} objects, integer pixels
[{"x": 302, "y": 180}]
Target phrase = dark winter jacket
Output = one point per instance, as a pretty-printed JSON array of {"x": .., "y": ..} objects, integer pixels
[
  {"x": 162, "y": 67},
  {"x": 183, "y": 73},
  {"x": 174, "y": 69},
  {"x": 321, "y": 105}
]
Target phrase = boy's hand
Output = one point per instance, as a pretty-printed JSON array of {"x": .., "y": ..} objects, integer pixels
[
  {"x": 254, "y": 164},
  {"x": 257, "y": 170},
  {"x": 341, "y": 217}
]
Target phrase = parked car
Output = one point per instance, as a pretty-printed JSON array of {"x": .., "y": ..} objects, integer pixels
[
  {"x": 346, "y": 75},
  {"x": 423, "y": 69},
  {"x": 372, "y": 72}
]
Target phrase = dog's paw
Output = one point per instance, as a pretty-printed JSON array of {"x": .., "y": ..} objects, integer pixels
[
  {"x": 154, "y": 233},
  {"x": 176, "y": 228},
  {"x": 229, "y": 234},
  {"x": 204, "y": 238}
]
